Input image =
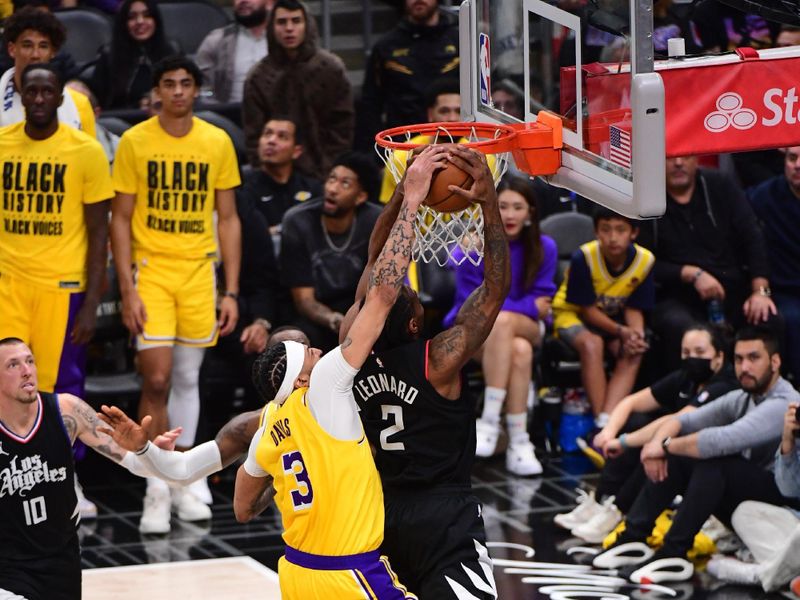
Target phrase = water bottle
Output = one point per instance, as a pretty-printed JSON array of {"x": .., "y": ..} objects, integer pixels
[
  {"x": 576, "y": 420},
  {"x": 716, "y": 312}
]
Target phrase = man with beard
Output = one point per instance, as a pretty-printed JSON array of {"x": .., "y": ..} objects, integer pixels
[
  {"x": 228, "y": 53},
  {"x": 324, "y": 247},
  {"x": 716, "y": 456}
]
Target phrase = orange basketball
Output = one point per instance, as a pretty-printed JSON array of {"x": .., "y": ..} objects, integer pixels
[{"x": 440, "y": 198}]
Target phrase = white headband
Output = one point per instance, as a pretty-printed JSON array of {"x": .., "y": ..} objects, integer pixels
[{"x": 295, "y": 357}]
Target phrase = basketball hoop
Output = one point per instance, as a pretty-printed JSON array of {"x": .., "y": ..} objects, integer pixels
[{"x": 438, "y": 235}]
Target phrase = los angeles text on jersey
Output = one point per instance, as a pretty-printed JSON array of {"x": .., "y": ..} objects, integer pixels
[
  {"x": 176, "y": 192},
  {"x": 33, "y": 197},
  {"x": 375, "y": 384},
  {"x": 22, "y": 475}
]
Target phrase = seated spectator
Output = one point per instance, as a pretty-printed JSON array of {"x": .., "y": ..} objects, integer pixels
[
  {"x": 299, "y": 80},
  {"x": 123, "y": 75},
  {"x": 712, "y": 260},
  {"x": 789, "y": 36},
  {"x": 443, "y": 102},
  {"x": 109, "y": 141},
  {"x": 722, "y": 28},
  {"x": 509, "y": 98},
  {"x": 324, "y": 246},
  {"x": 422, "y": 48},
  {"x": 716, "y": 457},
  {"x": 228, "y": 53},
  {"x": 771, "y": 533},
  {"x": 32, "y": 36},
  {"x": 600, "y": 306},
  {"x": 776, "y": 203},
  {"x": 507, "y": 354},
  {"x": 276, "y": 186},
  {"x": 704, "y": 376}
]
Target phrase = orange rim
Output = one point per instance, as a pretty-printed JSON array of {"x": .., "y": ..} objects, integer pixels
[{"x": 500, "y": 137}]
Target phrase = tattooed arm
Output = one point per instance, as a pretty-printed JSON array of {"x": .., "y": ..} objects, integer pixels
[
  {"x": 390, "y": 268},
  {"x": 82, "y": 423},
  {"x": 450, "y": 350}
]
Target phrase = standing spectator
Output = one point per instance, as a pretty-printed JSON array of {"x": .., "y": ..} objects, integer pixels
[
  {"x": 277, "y": 186},
  {"x": 299, "y": 80},
  {"x": 171, "y": 173},
  {"x": 716, "y": 456},
  {"x": 403, "y": 63},
  {"x": 600, "y": 305},
  {"x": 31, "y": 36},
  {"x": 228, "y": 53},
  {"x": 776, "y": 203},
  {"x": 123, "y": 73},
  {"x": 507, "y": 354},
  {"x": 324, "y": 247},
  {"x": 711, "y": 256}
]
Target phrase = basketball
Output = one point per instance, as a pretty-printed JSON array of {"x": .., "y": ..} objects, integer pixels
[{"x": 440, "y": 198}]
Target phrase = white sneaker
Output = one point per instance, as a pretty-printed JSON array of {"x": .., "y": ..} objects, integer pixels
[
  {"x": 601, "y": 524},
  {"x": 521, "y": 459},
  {"x": 201, "y": 491},
  {"x": 587, "y": 507},
  {"x": 486, "y": 435},
  {"x": 733, "y": 571},
  {"x": 188, "y": 506},
  {"x": 155, "y": 514},
  {"x": 86, "y": 508}
]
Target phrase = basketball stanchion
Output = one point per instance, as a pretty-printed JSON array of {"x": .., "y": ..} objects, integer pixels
[{"x": 444, "y": 223}]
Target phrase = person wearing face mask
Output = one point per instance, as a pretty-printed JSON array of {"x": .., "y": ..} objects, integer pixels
[
  {"x": 716, "y": 457},
  {"x": 704, "y": 375}
]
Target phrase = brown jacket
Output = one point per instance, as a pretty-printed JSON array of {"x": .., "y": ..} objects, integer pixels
[{"x": 311, "y": 89}]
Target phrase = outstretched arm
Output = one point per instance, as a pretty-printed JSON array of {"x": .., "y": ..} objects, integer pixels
[
  {"x": 451, "y": 349},
  {"x": 390, "y": 268}
]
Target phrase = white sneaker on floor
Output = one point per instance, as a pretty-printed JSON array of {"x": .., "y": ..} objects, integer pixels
[
  {"x": 587, "y": 507},
  {"x": 156, "y": 512},
  {"x": 601, "y": 524},
  {"x": 486, "y": 435},
  {"x": 86, "y": 508},
  {"x": 732, "y": 570},
  {"x": 188, "y": 506},
  {"x": 521, "y": 459},
  {"x": 201, "y": 491}
]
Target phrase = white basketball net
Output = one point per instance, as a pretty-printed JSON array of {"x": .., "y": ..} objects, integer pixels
[{"x": 438, "y": 235}]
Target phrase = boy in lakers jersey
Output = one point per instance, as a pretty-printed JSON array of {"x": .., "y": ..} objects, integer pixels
[
  {"x": 600, "y": 304},
  {"x": 312, "y": 446}
]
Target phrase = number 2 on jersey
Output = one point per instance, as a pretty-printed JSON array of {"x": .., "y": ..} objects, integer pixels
[
  {"x": 303, "y": 495},
  {"x": 396, "y": 413}
]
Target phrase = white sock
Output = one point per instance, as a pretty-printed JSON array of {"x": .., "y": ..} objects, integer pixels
[
  {"x": 601, "y": 420},
  {"x": 183, "y": 406},
  {"x": 493, "y": 399},
  {"x": 517, "y": 426}
]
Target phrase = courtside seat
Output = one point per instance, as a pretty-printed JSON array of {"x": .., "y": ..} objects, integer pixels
[
  {"x": 115, "y": 125},
  {"x": 87, "y": 31},
  {"x": 189, "y": 21}
]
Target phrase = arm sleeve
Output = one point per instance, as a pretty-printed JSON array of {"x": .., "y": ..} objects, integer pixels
[
  {"x": 205, "y": 58},
  {"x": 228, "y": 174},
  {"x": 580, "y": 290},
  {"x": 666, "y": 390},
  {"x": 338, "y": 114},
  {"x": 718, "y": 413},
  {"x": 255, "y": 109},
  {"x": 644, "y": 296},
  {"x": 757, "y": 427},
  {"x": 124, "y": 173},
  {"x": 251, "y": 464},
  {"x": 295, "y": 262},
  {"x": 746, "y": 234},
  {"x": 330, "y": 396},
  {"x": 787, "y": 473},
  {"x": 182, "y": 468},
  {"x": 97, "y": 176}
]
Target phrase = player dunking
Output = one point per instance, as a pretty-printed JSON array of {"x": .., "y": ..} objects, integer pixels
[
  {"x": 313, "y": 445},
  {"x": 420, "y": 418}
]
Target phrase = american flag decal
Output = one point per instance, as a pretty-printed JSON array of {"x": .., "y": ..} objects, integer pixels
[{"x": 620, "y": 143}]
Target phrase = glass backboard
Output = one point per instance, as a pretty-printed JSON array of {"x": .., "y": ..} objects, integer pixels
[{"x": 522, "y": 56}]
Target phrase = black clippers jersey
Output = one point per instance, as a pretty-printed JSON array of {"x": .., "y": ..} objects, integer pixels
[
  {"x": 421, "y": 439},
  {"x": 38, "y": 506}
]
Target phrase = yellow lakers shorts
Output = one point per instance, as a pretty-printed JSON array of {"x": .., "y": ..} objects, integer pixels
[
  {"x": 365, "y": 576},
  {"x": 43, "y": 318},
  {"x": 180, "y": 299}
]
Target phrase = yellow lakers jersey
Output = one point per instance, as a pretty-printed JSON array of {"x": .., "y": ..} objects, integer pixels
[
  {"x": 174, "y": 180},
  {"x": 612, "y": 291},
  {"x": 45, "y": 183},
  {"x": 327, "y": 490}
]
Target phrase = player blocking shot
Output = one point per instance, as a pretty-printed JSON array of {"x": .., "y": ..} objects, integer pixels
[
  {"x": 312, "y": 447},
  {"x": 419, "y": 416}
]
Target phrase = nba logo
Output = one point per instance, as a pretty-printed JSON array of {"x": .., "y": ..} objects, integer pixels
[{"x": 485, "y": 69}]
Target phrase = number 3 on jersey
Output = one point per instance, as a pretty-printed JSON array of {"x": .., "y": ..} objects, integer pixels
[
  {"x": 395, "y": 413},
  {"x": 303, "y": 495}
]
